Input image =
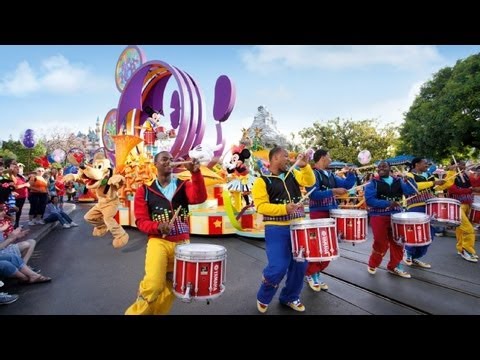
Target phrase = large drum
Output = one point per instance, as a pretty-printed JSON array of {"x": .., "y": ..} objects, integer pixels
[
  {"x": 411, "y": 228},
  {"x": 351, "y": 224},
  {"x": 314, "y": 240},
  {"x": 443, "y": 211},
  {"x": 199, "y": 271},
  {"x": 474, "y": 214}
]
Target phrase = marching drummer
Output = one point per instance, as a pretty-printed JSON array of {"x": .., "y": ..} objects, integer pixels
[
  {"x": 277, "y": 196},
  {"x": 322, "y": 200},
  {"x": 161, "y": 210},
  {"x": 460, "y": 188},
  {"x": 416, "y": 203},
  {"x": 383, "y": 195}
]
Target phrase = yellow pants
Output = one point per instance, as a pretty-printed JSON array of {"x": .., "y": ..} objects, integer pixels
[
  {"x": 465, "y": 233},
  {"x": 155, "y": 294}
]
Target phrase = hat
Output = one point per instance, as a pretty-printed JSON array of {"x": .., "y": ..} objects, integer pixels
[{"x": 20, "y": 165}]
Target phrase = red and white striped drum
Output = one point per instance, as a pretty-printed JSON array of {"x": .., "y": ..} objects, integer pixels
[
  {"x": 199, "y": 271},
  {"x": 443, "y": 211},
  {"x": 474, "y": 214},
  {"x": 411, "y": 228},
  {"x": 351, "y": 224},
  {"x": 314, "y": 240}
]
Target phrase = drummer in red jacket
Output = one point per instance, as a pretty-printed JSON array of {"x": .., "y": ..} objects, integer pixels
[
  {"x": 383, "y": 195},
  {"x": 161, "y": 211}
]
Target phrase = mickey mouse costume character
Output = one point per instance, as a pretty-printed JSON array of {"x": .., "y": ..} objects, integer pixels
[{"x": 159, "y": 131}]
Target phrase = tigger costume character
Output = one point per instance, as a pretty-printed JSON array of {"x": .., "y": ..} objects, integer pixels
[{"x": 98, "y": 177}]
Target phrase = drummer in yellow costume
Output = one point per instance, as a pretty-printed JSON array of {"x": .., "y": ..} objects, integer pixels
[
  {"x": 459, "y": 187},
  {"x": 277, "y": 197}
]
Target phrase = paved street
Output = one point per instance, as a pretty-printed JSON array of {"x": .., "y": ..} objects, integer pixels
[{"x": 91, "y": 277}]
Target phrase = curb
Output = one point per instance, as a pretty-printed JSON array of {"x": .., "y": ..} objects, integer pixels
[{"x": 45, "y": 229}]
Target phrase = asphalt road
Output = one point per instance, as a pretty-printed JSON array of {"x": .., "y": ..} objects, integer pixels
[{"x": 91, "y": 277}]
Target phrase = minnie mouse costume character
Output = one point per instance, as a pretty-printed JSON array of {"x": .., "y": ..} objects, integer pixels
[
  {"x": 237, "y": 162},
  {"x": 237, "y": 167}
]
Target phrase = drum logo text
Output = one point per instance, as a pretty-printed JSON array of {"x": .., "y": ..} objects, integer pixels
[
  {"x": 215, "y": 277},
  {"x": 324, "y": 239}
]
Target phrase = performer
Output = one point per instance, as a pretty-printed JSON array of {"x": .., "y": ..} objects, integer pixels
[
  {"x": 155, "y": 206},
  {"x": 461, "y": 189},
  {"x": 425, "y": 183},
  {"x": 322, "y": 199},
  {"x": 277, "y": 197},
  {"x": 383, "y": 194}
]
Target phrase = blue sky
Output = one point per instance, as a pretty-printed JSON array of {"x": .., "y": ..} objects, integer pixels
[{"x": 45, "y": 87}]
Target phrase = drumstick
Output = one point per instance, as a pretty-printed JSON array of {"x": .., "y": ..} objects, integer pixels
[
  {"x": 305, "y": 197},
  {"x": 175, "y": 215},
  {"x": 292, "y": 167},
  {"x": 461, "y": 175},
  {"x": 298, "y": 160},
  {"x": 170, "y": 223},
  {"x": 406, "y": 180}
]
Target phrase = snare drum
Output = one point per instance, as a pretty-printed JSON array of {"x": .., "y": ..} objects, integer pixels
[
  {"x": 412, "y": 228},
  {"x": 314, "y": 240},
  {"x": 443, "y": 211},
  {"x": 351, "y": 224},
  {"x": 474, "y": 214},
  {"x": 199, "y": 271}
]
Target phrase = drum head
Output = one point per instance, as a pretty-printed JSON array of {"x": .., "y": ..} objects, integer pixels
[
  {"x": 347, "y": 213},
  {"x": 476, "y": 206},
  {"x": 410, "y": 218},
  {"x": 312, "y": 223},
  {"x": 200, "y": 252},
  {"x": 442, "y": 201}
]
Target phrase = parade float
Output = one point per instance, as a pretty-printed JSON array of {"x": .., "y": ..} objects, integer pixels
[{"x": 161, "y": 107}]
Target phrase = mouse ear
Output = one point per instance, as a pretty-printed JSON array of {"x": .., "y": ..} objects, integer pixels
[
  {"x": 148, "y": 110},
  {"x": 245, "y": 153}
]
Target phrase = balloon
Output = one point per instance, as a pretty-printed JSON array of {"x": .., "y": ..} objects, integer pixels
[
  {"x": 364, "y": 157},
  {"x": 28, "y": 139},
  {"x": 58, "y": 155},
  {"x": 75, "y": 156}
]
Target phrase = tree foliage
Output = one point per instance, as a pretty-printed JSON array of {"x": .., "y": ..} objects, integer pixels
[
  {"x": 444, "y": 119},
  {"x": 14, "y": 149},
  {"x": 346, "y": 138},
  {"x": 62, "y": 138},
  {"x": 56, "y": 138}
]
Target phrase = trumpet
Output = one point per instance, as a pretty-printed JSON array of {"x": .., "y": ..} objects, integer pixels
[{"x": 178, "y": 163}]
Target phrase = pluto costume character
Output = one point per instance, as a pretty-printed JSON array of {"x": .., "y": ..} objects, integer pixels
[{"x": 98, "y": 177}]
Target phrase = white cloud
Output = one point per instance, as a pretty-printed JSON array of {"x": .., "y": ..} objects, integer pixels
[
  {"x": 390, "y": 110},
  {"x": 265, "y": 58},
  {"x": 280, "y": 93},
  {"x": 55, "y": 75},
  {"x": 21, "y": 81}
]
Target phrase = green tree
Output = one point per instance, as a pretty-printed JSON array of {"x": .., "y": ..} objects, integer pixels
[
  {"x": 346, "y": 138},
  {"x": 444, "y": 119},
  {"x": 15, "y": 149}
]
